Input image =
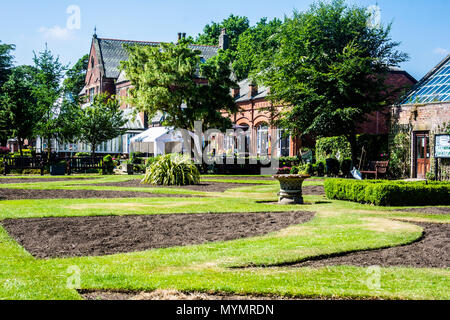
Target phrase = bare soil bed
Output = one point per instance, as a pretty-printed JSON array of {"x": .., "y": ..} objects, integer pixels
[
  {"x": 167, "y": 295},
  {"x": 35, "y": 180},
  {"x": 204, "y": 186},
  {"x": 313, "y": 191},
  {"x": 429, "y": 210},
  {"x": 96, "y": 236},
  {"x": 432, "y": 251},
  {"x": 33, "y": 194}
]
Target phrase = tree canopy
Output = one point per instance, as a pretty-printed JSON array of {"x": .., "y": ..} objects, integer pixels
[
  {"x": 253, "y": 45},
  {"x": 17, "y": 104},
  {"x": 6, "y": 61},
  {"x": 235, "y": 26},
  {"x": 101, "y": 121},
  {"x": 75, "y": 78},
  {"x": 329, "y": 69},
  {"x": 56, "y": 114},
  {"x": 171, "y": 79}
]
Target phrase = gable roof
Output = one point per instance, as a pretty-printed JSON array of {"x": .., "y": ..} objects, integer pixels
[
  {"x": 112, "y": 51},
  {"x": 434, "y": 87}
]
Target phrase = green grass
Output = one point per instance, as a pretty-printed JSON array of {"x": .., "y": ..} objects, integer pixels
[{"x": 338, "y": 227}]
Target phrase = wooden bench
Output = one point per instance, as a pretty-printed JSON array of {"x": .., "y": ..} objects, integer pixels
[{"x": 377, "y": 168}]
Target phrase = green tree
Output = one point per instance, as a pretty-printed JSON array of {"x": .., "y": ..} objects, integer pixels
[
  {"x": 75, "y": 79},
  {"x": 171, "y": 79},
  {"x": 17, "y": 105},
  {"x": 54, "y": 120},
  {"x": 6, "y": 63},
  {"x": 235, "y": 26},
  {"x": 329, "y": 70},
  {"x": 101, "y": 121},
  {"x": 253, "y": 45}
]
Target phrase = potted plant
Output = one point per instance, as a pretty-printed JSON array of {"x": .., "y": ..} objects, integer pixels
[
  {"x": 291, "y": 187},
  {"x": 58, "y": 169}
]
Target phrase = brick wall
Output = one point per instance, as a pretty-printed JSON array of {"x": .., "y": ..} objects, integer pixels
[{"x": 424, "y": 118}]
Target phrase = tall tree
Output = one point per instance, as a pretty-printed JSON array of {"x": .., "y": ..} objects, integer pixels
[
  {"x": 253, "y": 45},
  {"x": 75, "y": 79},
  {"x": 101, "y": 121},
  {"x": 6, "y": 61},
  {"x": 171, "y": 79},
  {"x": 49, "y": 95},
  {"x": 6, "y": 64},
  {"x": 329, "y": 70},
  {"x": 17, "y": 105},
  {"x": 235, "y": 26}
]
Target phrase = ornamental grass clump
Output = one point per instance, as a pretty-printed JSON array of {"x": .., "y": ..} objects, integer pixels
[{"x": 172, "y": 170}]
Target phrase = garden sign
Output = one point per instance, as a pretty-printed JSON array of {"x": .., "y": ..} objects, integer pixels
[{"x": 442, "y": 146}]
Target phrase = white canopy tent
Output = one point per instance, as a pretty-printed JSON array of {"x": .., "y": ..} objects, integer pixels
[{"x": 157, "y": 138}]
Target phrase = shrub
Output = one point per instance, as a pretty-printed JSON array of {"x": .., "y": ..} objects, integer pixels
[
  {"x": 82, "y": 154},
  {"x": 108, "y": 164},
  {"x": 332, "y": 167},
  {"x": 309, "y": 169},
  {"x": 321, "y": 169},
  {"x": 389, "y": 193},
  {"x": 334, "y": 146},
  {"x": 346, "y": 167},
  {"x": 295, "y": 170},
  {"x": 172, "y": 170}
]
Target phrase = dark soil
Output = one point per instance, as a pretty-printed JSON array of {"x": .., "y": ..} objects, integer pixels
[
  {"x": 31, "y": 194},
  {"x": 432, "y": 251},
  {"x": 204, "y": 186},
  {"x": 97, "y": 236},
  {"x": 168, "y": 295},
  {"x": 34, "y": 180},
  {"x": 430, "y": 210}
]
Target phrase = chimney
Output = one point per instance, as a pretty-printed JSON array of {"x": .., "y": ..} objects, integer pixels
[
  {"x": 179, "y": 36},
  {"x": 224, "y": 40},
  {"x": 235, "y": 92},
  {"x": 253, "y": 90},
  {"x": 184, "y": 35}
]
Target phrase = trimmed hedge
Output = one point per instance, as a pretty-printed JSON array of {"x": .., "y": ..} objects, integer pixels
[{"x": 389, "y": 193}]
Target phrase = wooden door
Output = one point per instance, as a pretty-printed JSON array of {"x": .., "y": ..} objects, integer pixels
[{"x": 422, "y": 154}]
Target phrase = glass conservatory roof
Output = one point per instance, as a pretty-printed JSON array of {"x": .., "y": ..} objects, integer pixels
[{"x": 435, "y": 87}]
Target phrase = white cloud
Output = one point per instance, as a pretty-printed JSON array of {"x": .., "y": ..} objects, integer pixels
[
  {"x": 56, "y": 33},
  {"x": 442, "y": 51}
]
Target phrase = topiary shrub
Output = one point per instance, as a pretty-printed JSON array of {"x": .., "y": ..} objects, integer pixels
[
  {"x": 108, "y": 164},
  {"x": 172, "y": 170},
  {"x": 332, "y": 167},
  {"x": 389, "y": 193},
  {"x": 321, "y": 169}
]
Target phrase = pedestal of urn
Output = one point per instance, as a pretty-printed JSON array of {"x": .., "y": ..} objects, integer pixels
[{"x": 291, "y": 188}]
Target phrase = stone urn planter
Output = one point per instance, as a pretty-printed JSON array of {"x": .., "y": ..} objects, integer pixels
[{"x": 291, "y": 188}]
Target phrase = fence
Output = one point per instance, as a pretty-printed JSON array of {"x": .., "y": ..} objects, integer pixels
[{"x": 39, "y": 163}]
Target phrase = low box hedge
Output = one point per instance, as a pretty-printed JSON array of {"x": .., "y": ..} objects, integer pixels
[{"x": 389, "y": 193}]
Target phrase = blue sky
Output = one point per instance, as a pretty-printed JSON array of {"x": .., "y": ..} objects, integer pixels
[{"x": 421, "y": 25}]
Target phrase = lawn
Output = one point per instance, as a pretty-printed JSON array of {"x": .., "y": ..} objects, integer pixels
[{"x": 258, "y": 266}]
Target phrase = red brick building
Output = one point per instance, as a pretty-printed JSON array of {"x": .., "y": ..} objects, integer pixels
[
  {"x": 255, "y": 118},
  {"x": 103, "y": 76},
  {"x": 422, "y": 115}
]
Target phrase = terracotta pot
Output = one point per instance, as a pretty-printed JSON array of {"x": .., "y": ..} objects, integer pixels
[{"x": 291, "y": 188}]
